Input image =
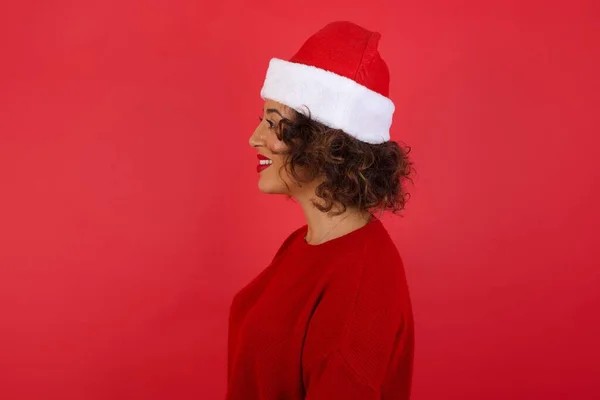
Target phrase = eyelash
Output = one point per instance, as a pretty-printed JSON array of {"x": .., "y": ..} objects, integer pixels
[{"x": 271, "y": 124}]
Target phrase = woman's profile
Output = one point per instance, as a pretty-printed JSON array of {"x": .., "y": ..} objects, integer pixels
[{"x": 330, "y": 317}]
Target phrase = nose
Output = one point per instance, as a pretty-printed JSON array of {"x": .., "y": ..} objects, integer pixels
[{"x": 255, "y": 139}]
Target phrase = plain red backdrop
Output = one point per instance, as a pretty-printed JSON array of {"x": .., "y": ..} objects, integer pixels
[{"x": 129, "y": 213}]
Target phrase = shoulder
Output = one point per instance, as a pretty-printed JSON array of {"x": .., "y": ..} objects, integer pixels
[
  {"x": 368, "y": 277},
  {"x": 373, "y": 259},
  {"x": 373, "y": 283},
  {"x": 363, "y": 308}
]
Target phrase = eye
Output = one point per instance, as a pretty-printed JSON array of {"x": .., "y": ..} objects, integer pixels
[{"x": 271, "y": 124}]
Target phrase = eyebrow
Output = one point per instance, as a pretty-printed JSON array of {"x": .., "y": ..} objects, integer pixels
[{"x": 272, "y": 110}]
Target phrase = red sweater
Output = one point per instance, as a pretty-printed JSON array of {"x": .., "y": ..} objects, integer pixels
[{"x": 324, "y": 322}]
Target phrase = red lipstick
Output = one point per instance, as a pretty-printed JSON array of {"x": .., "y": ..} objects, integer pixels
[{"x": 263, "y": 163}]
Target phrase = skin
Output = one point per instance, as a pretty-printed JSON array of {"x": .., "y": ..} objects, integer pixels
[{"x": 276, "y": 180}]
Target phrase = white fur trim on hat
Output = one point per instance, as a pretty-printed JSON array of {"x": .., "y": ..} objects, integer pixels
[{"x": 332, "y": 99}]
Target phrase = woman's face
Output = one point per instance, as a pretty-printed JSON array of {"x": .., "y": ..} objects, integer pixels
[{"x": 273, "y": 177}]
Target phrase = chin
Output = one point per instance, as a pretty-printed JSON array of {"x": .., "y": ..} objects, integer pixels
[{"x": 270, "y": 186}]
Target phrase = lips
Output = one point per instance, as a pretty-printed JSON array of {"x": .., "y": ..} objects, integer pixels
[{"x": 263, "y": 163}]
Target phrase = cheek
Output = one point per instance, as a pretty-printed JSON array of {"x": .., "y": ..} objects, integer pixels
[
  {"x": 279, "y": 169},
  {"x": 278, "y": 161},
  {"x": 277, "y": 147}
]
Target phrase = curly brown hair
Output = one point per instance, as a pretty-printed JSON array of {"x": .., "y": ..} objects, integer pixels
[{"x": 356, "y": 174}]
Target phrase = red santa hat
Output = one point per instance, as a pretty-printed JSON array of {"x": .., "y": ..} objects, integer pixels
[{"x": 340, "y": 78}]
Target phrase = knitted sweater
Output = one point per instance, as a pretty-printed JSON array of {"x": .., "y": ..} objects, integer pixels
[{"x": 324, "y": 322}]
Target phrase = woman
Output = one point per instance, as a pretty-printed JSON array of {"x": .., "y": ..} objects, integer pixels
[{"x": 330, "y": 317}]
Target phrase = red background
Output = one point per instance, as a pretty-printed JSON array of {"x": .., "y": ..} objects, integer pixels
[{"x": 129, "y": 213}]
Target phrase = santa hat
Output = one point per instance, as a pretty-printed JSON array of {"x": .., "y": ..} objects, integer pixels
[{"x": 340, "y": 78}]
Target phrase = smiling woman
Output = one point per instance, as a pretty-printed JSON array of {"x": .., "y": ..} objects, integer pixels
[
  {"x": 330, "y": 317},
  {"x": 339, "y": 169}
]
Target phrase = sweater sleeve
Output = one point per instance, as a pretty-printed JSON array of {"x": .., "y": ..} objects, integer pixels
[
  {"x": 355, "y": 330},
  {"x": 335, "y": 378}
]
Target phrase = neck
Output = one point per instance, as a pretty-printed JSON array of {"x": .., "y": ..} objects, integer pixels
[{"x": 323, "y": 227}]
